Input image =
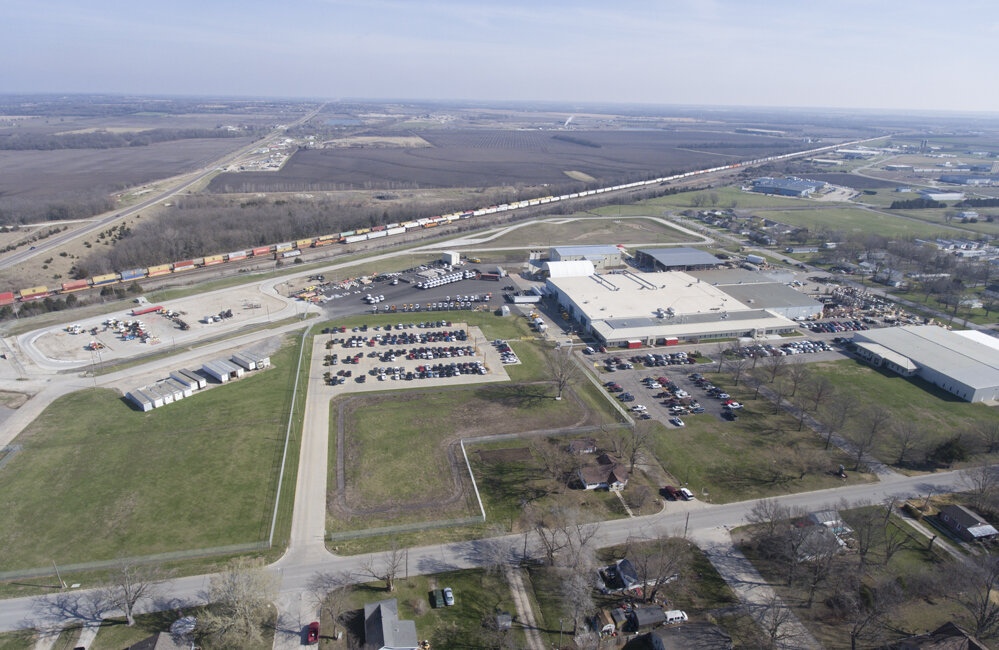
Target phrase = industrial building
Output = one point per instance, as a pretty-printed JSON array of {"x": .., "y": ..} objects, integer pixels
[
  {"x": 964, "y": 363},
  {"x": 165, "y": 391},
  {"x": 602, "y": 256},
  {"x": 574, "y": 268},
  {"x": 786, "y": 186},
  {"x": 251, "y": 360},
  {"x": 939, "y": 195},
  {"x": 966, "y": 179},
  {"x": 649, "y": 308},
  {"x": 189, "y": 378},
  {"x": 678, "y": 258}
]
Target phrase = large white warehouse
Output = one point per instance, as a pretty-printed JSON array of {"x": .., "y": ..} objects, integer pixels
[
  {"x": 965, "y": 364},
  {"x": 650, "y": 308}
]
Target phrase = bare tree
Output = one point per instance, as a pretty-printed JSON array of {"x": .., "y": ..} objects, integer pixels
[
  {"x": 974, "y": 582},
  {"x": 797, "y": 373},
  {"x": 841, "y": 410},
  {"x": 331, "y": 593},
  {"x": 564, "y": 539},
  {"x": 554, "y": 460},
  {"x": 240, "y": 596},
  {"x": 868, "y": 531},
  {"x": 768, "y": 514},
  {"x": 659, "y": 562},
  {"x": 982, "y": 482},
  {"x": 577, "y": 597},
  {"x": 801, "y": 404},
  {"x": 820, "y": 565},
  {"x": 908, "y": 435},
  {"x": 874, "y": 420},
  {"x": 775, "y": 366},
  {"x": 561, "y": 367},
  {"x": 633, "y": 442},
  {"x": 867, "y": 608},
  {"x": 737, "y": 366},
  {"x": 638, "y": 496},
  {"x": 776, "y": 620},
  {"x": 781, "y": 388},
  {"x": 988, "y": 432},
  {"x": 820, "y": 388},
  {"x": 127, "y": 585},
  {"x": 387, "y": 568}
]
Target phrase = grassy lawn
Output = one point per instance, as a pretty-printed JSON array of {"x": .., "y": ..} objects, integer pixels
[
  {"x": 941, "y": 415},
  {"x": 509, "y": 484},
  {"x": 424, "y": 423},
  {"x": 492, "y": 326},
  {"x": 761, "y": 454},
  {"x": 198, "y": 473},
  {"x": 939, "y": 216},
  {"x": 726, "y": 196},
  {"x": 977, "y": 315},
  {"x": 858, "y": 221},
  {"x": 478, "y": 597},
  {"x": 19, "y": 640},
  {"x": 591, "y": 230}
]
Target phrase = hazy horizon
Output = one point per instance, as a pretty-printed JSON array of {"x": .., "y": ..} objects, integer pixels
[{"x": 847, "y": 55}]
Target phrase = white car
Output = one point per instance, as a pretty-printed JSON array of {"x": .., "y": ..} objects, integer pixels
[
  {"x": 638, "y": 408},
  {"x": 686, "y": 494},
  {"x": 677, "y": 422}
]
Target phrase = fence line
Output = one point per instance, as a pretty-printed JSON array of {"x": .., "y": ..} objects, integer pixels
[
  {"x": 403, "y": 528},
  {"x": 139, "y": 559},
  {"x": 287, "y": 434}
]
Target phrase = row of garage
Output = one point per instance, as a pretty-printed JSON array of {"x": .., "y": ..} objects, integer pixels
[{"x": 182, "y": 383}]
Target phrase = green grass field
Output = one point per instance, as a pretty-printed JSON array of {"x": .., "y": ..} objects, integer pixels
[
  {"x": 198, "y": 473},
  {"x": 20, "y": 640},
  {"x": 591, "y": 230},
  {"x": 939, "y": 216},
  {"x": 941, "y": 415},
  {"x": 858, "y": 221},
  {"x": 726, "y": 197},
  {"x": 756, "y": 456}
]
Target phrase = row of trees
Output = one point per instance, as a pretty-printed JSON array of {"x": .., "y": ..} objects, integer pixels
[
  {"x": 101, "y": 139},
  {"x": 859, "y": 590}
]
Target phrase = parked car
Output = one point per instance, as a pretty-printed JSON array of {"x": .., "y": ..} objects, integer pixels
[
  {"x": 312, "y": 633},
  {"x": 686, "y": 494},
  {"x": 437, "y": 598},
  {"x": 677, "y": 422},
  {"x": 671, "y": 493},
  {"x": 449, "y": 595}
]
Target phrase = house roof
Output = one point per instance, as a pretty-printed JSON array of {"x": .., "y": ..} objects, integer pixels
[
  {"x": 383, "y": 629},
  {"x": 646, "y": 616},
  {"x": 693, "y": 636},
  {"x": 596, "y": 474},
  {"x": 946, "y": 637},
  {"x": 973, "y": 523}
]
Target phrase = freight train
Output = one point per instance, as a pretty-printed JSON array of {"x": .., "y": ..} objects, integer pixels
[{"x": 295, "y": 248}]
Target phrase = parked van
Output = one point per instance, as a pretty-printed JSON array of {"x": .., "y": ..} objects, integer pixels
[{"x": 675, "y": 616}]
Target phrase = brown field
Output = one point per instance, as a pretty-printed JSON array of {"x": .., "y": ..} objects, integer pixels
[
  {"x": 58, "y": 174},
  {"x": 490, "y": 157}
]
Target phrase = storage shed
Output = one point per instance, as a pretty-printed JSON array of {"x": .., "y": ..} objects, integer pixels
[
  {"x": 222, "y": 370},
  {"x": 179, "y": 388},
  {"x": 189, "y": 378},
  {"x": 140, "y": 400},
  {"x": 250, "y": 360}
]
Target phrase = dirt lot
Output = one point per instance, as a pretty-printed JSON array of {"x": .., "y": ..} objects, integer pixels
[
  {"x": 59, "y": 344},
  {"x": 485, "y": 158}
]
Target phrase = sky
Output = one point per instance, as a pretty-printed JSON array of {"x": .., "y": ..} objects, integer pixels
[{"x": 889, "y": 54}]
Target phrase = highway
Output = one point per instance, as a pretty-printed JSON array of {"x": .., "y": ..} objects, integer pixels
[{"x": 185, "y": 181}]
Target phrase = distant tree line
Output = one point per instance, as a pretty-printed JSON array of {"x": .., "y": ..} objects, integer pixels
[
  {"x": 81, "y": 205},
  {"x": 916, "y": 204},
  {"x": 111, "y": 140},
  {"x": 576, "y": 140},
  {"x": 978, "y": 203}
]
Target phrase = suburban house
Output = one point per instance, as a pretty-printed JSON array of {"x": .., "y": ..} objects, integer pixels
[
  {"x": 620, "y": 576},
  {"x": 966, "y": 524},
  {"x": 384, "y": 631},
  {"x": 583, "y": 446},
  {"x": 816, "y": 542},
  {"x": 946, "y": 637},
  {"x": 831, "y": 520},
  {"x": 607, "y": 474},
  {"x": 690, "y": 636}
]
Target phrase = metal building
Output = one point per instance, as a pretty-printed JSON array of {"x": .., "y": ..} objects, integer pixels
[{"x": 222, "y": 370}]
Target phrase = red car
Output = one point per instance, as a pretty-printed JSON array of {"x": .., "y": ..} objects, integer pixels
[{"x": 312, "y": 633}]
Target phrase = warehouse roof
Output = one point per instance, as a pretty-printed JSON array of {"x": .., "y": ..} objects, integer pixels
[
  {"x": 588, "y": 251},
  {"x": 577, "y": 268},
  {"x": 680, "y": 256},
  {"x": 793, "y": 184},
  {"x": 959, "y": 357},
  {"x": 771, "y": 295},
  {"x": 733, "y": 276},
  {"x": 979, "y": 336},
  {"x": 690, "y": 325},
  {"x": 887, "y": 354},
  {"x": 627, "y": 295}
]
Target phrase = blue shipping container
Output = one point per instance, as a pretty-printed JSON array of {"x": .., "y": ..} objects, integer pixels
[{"x": 134, "y": 273}]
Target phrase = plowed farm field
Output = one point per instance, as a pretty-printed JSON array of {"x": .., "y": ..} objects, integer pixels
[{"x": 488, "y": 158}]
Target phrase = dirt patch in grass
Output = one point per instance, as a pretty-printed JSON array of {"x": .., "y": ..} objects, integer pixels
[{"x": 13, "y": 399}]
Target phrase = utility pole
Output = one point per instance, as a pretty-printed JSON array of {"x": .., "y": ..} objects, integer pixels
[{"x": 62, "y": 585}]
